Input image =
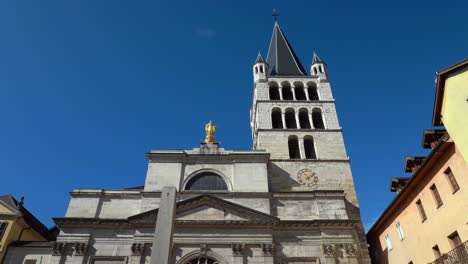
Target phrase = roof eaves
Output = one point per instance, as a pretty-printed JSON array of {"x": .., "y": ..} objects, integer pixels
[{"x": 439, "y": 145}]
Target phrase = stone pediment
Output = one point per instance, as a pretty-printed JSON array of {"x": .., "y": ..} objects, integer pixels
[{"x": 209, "y": 209}]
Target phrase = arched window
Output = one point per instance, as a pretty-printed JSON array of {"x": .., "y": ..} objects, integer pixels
[
  {"x": 299, "y": 91},
  {"x": 256, "y": 69},
  {"x": 312, "y": 91},
  {"x": 206, "y": 181},
  {"x": 293, "y": 146},
  {"x": 317, "y": 118},
  {"x": 290, "y": 118},
  {"x": 202, "y": 260},
  {"x": 274, "y": 93},
  {"x": 261, "y": 69},
  {"x": 321, "y": 69},
  {"x": 315, "y": 70},
  {"x": 309, "y": 148},
  {"x": 304, "y": 118},
  {"x": 287, "y": 92},
  {"x": 276, "y": 120}
]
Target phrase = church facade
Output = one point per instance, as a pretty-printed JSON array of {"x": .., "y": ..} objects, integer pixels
[{"x": 289, "y": 200}]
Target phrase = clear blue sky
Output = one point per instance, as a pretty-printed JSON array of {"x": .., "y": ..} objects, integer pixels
[{"x": 88, "y": 87}]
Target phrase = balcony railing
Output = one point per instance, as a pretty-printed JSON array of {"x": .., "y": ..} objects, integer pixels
[{"x": 458, "y": 255}]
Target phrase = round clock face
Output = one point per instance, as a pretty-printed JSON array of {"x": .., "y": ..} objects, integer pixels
[{"x": 307, "y": 177}]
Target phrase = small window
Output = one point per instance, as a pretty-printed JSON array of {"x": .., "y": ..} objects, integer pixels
[
  {"x": 309, "y": 148},
  {"x": 436, "y": 195},
  {"x": 290, "y": 119},
  {"x": 388, "y": 242},
  {"x": 3, "y": 227},
  {"x": 274, "y": 93},
  {"x": 256, "y": 69},
  {"x": 300, "y": 93},
  {"x": 293, "y": 146},
  {"x": 317, "y": 119},
  {"x": 436, "y": 251},
  {"x": 261, "y": 69},
  {"x": 312, "y": 91},
  {"x": 451, "y": 178},
  {"x": 304, "y": 119},
  {"x": 400, "y": 231},
  {"x": 287, "y": 93},
  {"x": 422, "y": 213},
  {"x": 276, "y": 119},
  {"x": 454, "y": 239}
]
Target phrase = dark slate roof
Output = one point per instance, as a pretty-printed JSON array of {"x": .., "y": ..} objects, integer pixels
[
  {"x": 281, "y": 57},
  {"x": 259, "y": 58},
  {"x": 28, "y": 217}
]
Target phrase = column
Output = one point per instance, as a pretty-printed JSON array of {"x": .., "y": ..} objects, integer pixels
[
  {"x": 238, "y": 251},
  {"x": 268, "y": 251},
  {"x": 310, "y": 121},
  {"x": 280, "y": 90},
  {"x": 137, "y": 252},
  {"x": 162, "y": 242},
  {"x": 329, "y": 253},
  {"x": 293, "y": 90},
  {"x": 306, "y": 93},
  {"x": 298, "y": 124},
  {"x": 283, "y": 118},
  {"x": 300, "y": 141},
  {"x": 79, "y": 252}
]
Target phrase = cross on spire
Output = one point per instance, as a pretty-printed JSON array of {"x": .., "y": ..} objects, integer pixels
[{"x": 275, "y": 14}]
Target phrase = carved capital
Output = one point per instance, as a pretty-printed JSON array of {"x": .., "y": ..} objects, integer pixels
[
  {"x": 58, "y": 248},
  {"x": 203, "y": 249},
  {"x": 137, "y": 249},
  {"x": 328, "y": 250},
  {"x": 350, "y": 250},
  {"x": 238, "y": 250},
  {"x": 268, "y": 249},
  {"x": 80, "y": 248}
]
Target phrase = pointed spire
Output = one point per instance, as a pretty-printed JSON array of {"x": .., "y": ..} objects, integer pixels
[
  {"x": 281, "y": 57},
  {"x": 316, "y": 59},
  {"x": 259, "y": 58}
]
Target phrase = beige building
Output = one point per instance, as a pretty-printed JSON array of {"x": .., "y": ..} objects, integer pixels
[
  {"x": 427, "y": 221},
  {"x": 18, "y": 225}
]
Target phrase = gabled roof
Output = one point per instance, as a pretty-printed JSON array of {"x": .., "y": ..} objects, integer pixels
[
  {"x": 281, "y": 58},
  {"x": 28, "y": 217},
  {"x": 211, "y": 201}
]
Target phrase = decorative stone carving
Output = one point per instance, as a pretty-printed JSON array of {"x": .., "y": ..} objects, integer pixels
[
  {"x": 238, "y": 249},
  {"x": 350, "y": 250},
  {"x": 307, "y": 177},
  {"x": 58, "y": 248},
  {"x": 328, "y": 250},
  {"x": 80, "y": 248},
  {"x": 137, "y": 249},
  {"x": 268, "y": 249},
  {"x": 203, "y": 249}
]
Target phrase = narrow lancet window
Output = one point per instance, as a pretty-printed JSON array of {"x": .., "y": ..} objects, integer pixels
[
  {"x": 317, "y": 119},
  {"x": 309, "y": 148},
  {"x": 290, "y": 119},
  {"x": 276, "y": 120},
  {"x": 312, "y": 91},
  {"x": 304, "y": 119},
  {"x": 293, "y": 146}
]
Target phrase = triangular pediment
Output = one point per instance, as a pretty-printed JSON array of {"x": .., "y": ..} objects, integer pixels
[{"x": 207, "y": 208}]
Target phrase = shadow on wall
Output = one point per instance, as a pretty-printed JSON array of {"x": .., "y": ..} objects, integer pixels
[
  {"x": 378, "y": 255},
  {"x": 280, "y": 179}
]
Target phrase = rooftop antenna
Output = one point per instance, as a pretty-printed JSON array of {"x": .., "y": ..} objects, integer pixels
[{"x": 275, "y": 14}]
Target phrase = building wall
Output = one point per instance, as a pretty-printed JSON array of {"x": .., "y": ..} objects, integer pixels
[
  {"x": 420, "y": 236},
  {"x": 454, "y": 109},
  {"x": 14, "y": 229},
  {"x": 19, "y": 255}
]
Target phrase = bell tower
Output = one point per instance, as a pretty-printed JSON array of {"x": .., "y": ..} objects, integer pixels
[{"x": 294, "y": 119}]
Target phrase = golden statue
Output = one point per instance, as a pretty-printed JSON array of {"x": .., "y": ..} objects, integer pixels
[{"x": 210, "y": 129}]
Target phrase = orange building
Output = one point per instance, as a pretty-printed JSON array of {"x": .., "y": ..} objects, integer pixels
[{"x": 427, "y": 221}]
